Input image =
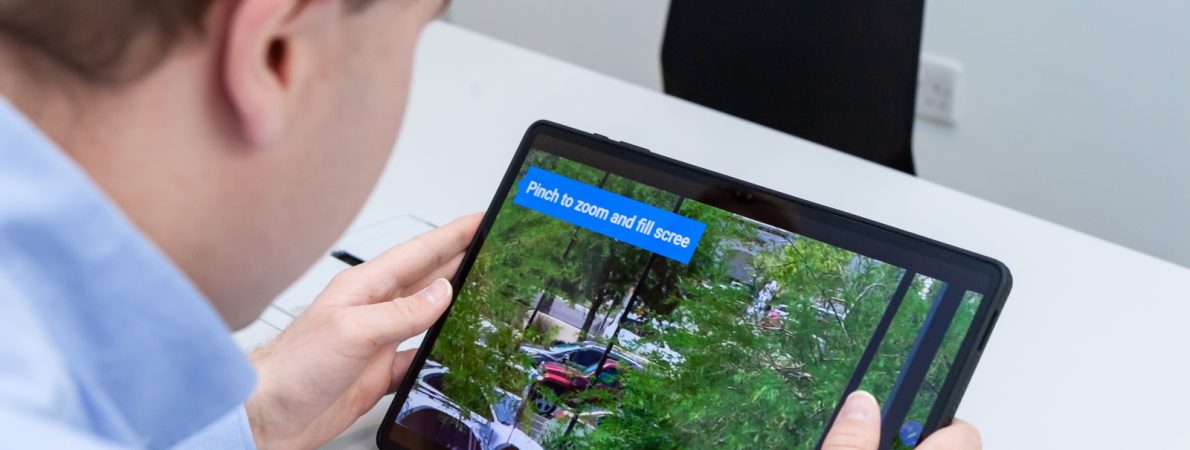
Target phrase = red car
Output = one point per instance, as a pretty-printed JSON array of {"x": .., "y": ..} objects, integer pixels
[{"x": 562, "y": 379}]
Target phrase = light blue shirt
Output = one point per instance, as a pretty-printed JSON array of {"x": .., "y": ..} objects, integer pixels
[{"x": 104, "y": 342}]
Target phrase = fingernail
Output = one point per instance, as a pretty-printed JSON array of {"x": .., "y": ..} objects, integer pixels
[
  {"x": 437, "y": 292},
  {"x": 859, "y": 405}
]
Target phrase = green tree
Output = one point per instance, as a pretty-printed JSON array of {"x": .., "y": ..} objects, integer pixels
[
  {"x": 524, "y": 250},
  {"x": 528, "y": 261},
  {"x": 738, "y": 385}
]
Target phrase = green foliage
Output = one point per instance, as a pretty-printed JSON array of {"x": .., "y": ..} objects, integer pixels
[
  {"x": 504, "y": 285},
  {"x": 739, "y": 384},
  {"x": 940, "y": 367},
  {"x": 898, "y": 341},
  {"x": 530, "y": 257}
]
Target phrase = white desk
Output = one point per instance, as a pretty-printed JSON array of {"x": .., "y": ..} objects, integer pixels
[{"x": 1091, "y": 351}]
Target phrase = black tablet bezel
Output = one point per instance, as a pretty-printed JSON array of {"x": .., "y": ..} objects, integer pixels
[{"x": 806, "y": 218}]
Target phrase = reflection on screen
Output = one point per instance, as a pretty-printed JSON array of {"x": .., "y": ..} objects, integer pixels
[{"x": 582, "y": 326}]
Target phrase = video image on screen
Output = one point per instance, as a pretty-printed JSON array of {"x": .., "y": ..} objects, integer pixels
[{"x": 563, "y": 337}]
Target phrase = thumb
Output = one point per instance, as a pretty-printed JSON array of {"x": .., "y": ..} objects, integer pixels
[
  {"x": 857, "y": 426},
  {"x": 380, "y": 324}
]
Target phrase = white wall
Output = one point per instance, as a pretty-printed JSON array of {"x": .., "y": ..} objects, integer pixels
[
  {"x": 621, "y": 38},
  {"x": 1077, "y": 111}
]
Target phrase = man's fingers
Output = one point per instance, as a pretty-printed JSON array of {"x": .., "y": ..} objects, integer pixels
[
  {"x": 400, "y": 366},
  {"x": 367, "y": 328},
  {"x": 959, "y": 435},
  {"x": 446, "y": 271},
  {"x": 858, "y": 425},
  {"x": 399, "y": 268}
]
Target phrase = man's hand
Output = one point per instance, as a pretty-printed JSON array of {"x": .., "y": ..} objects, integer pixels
[
  {"x": 858, "y": 428},
  {"x": 336, "y": 360}
]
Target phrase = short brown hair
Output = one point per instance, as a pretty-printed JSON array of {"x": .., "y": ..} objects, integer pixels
[
  {"x": 105, "y": 41},
  {"x": 94, "y": 38}
]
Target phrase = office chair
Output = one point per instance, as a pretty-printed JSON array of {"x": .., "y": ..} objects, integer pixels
[{"x": 839, "y": 73}]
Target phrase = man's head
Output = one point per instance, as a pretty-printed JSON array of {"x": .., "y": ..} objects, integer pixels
[{"x": 240, "y": 135}]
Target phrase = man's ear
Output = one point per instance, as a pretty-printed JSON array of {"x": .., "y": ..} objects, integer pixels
[{"x": 254, "y": 67}]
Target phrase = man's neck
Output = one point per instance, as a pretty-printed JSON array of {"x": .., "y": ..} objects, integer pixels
[
  {"x": 141, "y": 142},
  {"x": 43, "y": 91}
]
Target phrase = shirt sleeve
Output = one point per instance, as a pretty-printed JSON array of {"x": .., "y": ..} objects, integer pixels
[
  {"x": 24, "y": 430},
  {"x": 231, "y": 432}
]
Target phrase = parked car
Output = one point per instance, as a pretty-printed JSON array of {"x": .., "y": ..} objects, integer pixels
[
  {"x": 582, "y": 354},
  {"x": 441, "y": 422},
  {"x": 563, "y": 379},
  {"x": 431, "y": 412}
]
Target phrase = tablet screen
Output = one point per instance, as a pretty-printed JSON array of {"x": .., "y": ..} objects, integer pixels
[{"x": 604, "y": 310}]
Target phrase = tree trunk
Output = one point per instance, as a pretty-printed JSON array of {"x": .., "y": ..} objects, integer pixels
[{"x": 598, "y": 291}]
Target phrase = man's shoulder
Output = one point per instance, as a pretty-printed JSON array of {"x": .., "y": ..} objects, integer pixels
[{"x": 36, "y": 390}]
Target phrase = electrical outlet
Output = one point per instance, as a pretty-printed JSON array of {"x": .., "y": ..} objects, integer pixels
[{"x": 937, "y": 89}]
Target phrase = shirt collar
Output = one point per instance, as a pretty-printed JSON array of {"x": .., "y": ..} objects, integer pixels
[{"x": 151, "y": 357}]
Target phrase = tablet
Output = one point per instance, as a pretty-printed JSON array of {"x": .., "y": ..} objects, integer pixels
[{"x": 616, "y": 298}]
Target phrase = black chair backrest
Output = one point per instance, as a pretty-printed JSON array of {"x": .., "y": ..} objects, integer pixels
[{"x": 837, "y": 72}]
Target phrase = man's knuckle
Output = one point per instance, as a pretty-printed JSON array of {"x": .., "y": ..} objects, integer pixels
[
  {"x": 462, "y": 237},
  {"x": 409, "y": 317},
  {"x": 366, "y": 281},
  {"x": 344, "y": 325},
  {"x": 403, "y": 309},
  {"x": 425, "y": 245},
  {"x": 346, "y": 277}
]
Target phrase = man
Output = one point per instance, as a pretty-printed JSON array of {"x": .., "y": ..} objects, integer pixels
[{"x": 167, "y": 167}]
